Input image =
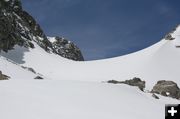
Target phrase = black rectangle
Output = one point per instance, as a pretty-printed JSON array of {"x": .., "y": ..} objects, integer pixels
[{"x": 172, "y": 111}]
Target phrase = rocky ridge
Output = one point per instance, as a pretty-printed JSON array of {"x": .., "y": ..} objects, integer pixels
[
  {"x": 17, "y": 27},
  {"x": 67, "y": 49}
]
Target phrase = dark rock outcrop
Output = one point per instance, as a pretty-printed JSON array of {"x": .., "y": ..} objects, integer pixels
[
  {"x": 17, "y": 27},
  {"x": 132, "y": 82},
  {"x": 167, "y": 88},
  {"x": 135, "y": 82},
  {"x": 29, "y": 69},
  {"x": 39, "y": 77},
  {"x": 3, "y": 77},
  {"x": 155, "y": 96},
  {"x": 169, "y": 37},
  {"x": 67, "y": 49},
  {"x": 113, "y": 81}
]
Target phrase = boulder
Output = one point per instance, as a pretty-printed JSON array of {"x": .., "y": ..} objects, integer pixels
[
  {"x": 3, "y": 77},
  {"x": 167, "y": 88}
]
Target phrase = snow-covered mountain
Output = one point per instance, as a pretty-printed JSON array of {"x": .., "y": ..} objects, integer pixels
[
  {"x": 19, "y": 28},
  {"x": 157, "y": 62},
  {"x": 79, "y": 90}
]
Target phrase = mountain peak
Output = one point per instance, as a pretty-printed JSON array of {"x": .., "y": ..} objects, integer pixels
[{"x": 17, "y": 27}]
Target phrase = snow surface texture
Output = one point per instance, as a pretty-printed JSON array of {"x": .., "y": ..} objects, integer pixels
[
  {"x": 75, "y": 89},
  {"x": 14, "y": 71},
  {"x": 55, "y": 99}
]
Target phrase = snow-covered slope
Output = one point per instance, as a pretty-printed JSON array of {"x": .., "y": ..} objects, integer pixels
[
  {"x": 15, "y": 71},
  {"x": 55, "y": 99},
  {"x": 76, "y": 91},
  {"x": 158, "y": 62}
]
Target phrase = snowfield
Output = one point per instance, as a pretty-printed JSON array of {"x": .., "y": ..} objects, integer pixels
[
  {"x": 158, "y": 62},
  {"x": 14, "y": 71},
  {"x": 75, "y": 90},
  {"x": 55, "y": 99}
]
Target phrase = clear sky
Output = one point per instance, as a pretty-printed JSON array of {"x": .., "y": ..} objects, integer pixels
[{"x": 106, "y": 28}]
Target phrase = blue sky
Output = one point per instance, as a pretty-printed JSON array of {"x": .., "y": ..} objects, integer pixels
[{"x": 106, "y": 28}]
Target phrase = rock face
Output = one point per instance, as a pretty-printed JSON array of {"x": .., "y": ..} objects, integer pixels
[
  {"x": 17, "y": 27},
  {"x": 167, "y": 88},
  {"x": 132, "y": 82},
  {"x": 67, "y": 49},
  {"x": 3, "y": 77}
]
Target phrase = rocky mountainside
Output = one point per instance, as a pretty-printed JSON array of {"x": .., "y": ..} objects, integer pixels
[
  {"x": 17, "y": 27},
  {"x": 66, "y": 48}
]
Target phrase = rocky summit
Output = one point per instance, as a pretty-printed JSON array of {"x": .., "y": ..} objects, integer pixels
[
  {"x": 67, "y": 49},
  {"x": 17, "y": 27}
]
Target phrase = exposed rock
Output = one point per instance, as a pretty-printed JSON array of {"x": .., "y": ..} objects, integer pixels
[
  {"x": 169, "y": 37},
  {"x": 113, "y": 81},
  {"x": 132, "y": 82},
  {"x": 3, "y": 77},
  {"x": 167, "y": 88},
  {"x": 135, "y": 82},
  {"x": 38, "y": 77},
  {"x": 155, "y": 96},
  {"x": 17, "y": 27},
  {"x": 29, "y": 69},
  {"x": 15, "y": 4},
  {"x": 67, "y": 49}
]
